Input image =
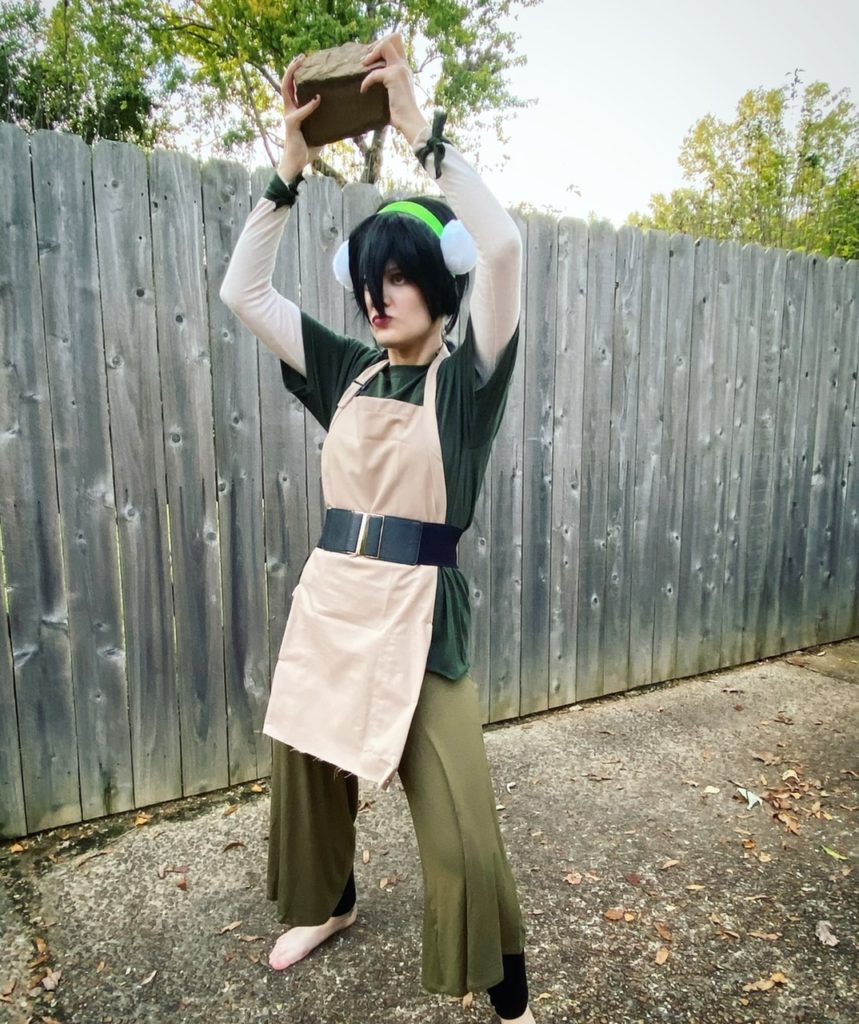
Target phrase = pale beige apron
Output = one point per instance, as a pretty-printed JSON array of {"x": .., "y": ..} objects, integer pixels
[{"x": 354, "y": 651}]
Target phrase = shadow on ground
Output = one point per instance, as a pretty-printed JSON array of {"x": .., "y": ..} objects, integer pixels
[{"x": 652, "y": 891}]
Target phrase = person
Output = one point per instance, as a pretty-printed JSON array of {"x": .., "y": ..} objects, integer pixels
[{"x": 372, "y": 673}]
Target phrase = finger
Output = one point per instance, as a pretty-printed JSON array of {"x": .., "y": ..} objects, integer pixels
[
  {"x": 374, "y": 76},
  {"x": 398, "y": 45},
  {"x": 301, "y": 113},
  {"x": 287, "y": 85},
  {"x": 388, "y": 48}
]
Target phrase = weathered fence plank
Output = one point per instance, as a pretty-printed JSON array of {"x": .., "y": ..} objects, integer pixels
[
  {"x": 539, "y": 359},
  {"x": 596, "y": 418},
  {"x": 121, "y": 188},
  {"x": 672, "y": 467},
  {"x": 761, "y": 472},
  {"x": 506, "y": 469},
  {"x": 818, "y": 293},
  {"x": 183, "y": 339},
  {"x": 708, "y": 456},
  {"x": 737, "y": 533},
  {"x": 39, "y": 759},
  {"x": 645, "y": 530},
  {"x": 62, "y": 174},
  {"x": 847, "y": 591},
  {"x": 831, "y": 444},
  {"x": 620, "y": 506},
  {"x": 779, "y": 588},
  {"x": 570, "y": 312},
  {"x": 238, "y": 457}
]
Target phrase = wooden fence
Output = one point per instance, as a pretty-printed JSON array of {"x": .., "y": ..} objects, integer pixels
[{"x": 674, "y": 488}]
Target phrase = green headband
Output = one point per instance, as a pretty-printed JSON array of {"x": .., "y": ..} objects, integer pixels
[{"x": 415, "y": 210}]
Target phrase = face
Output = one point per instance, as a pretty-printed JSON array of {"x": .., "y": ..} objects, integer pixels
[{"x": 404, "y": 326}]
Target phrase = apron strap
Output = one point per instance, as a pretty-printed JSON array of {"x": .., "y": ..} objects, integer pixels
[
  {"x": 432, "y": 377},
  {"x": 363, "y": 378}
]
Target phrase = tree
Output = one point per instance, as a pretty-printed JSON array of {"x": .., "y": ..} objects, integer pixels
[
  {"x": 86, "y": 67},
  {"x": 784, "y": 172},
  {"x": 236, "y": 51}
]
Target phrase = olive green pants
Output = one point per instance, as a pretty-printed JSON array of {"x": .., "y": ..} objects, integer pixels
[{"x": 471, "y": 912}]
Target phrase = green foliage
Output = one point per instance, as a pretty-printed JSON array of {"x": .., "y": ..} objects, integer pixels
[
  {"x": 784, "y": 172},
  {"x": 236, "y": 51},
  {"x": 86, "y": 67}
]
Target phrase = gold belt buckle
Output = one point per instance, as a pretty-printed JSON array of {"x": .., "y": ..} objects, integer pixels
[{"x": 363, "y": 530}]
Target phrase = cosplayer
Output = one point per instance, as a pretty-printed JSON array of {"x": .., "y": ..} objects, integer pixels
[{"x": 372, "y": 674}]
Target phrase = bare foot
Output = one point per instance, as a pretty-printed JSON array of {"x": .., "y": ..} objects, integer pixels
[
  {"x": 526, "y": 1018},
  {"x": 296, "y": 943}
]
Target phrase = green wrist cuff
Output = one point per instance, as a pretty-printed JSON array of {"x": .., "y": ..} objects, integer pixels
[
  {"x": 435, "y": 143},
  {"x": 281, "y": 193}
]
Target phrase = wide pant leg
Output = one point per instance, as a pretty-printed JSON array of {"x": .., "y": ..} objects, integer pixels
[
  {"x": 311, "y": 844},
  {"x": 471, "y": 911}
]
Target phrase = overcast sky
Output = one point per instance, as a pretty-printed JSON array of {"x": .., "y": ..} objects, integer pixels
[{"x": 620, "y": 82}]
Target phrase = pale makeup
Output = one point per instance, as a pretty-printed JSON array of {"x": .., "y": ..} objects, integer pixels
[{"x": 404, "y": 328}]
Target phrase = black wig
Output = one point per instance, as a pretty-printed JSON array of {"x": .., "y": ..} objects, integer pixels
[{"x": 415, "y": 249}]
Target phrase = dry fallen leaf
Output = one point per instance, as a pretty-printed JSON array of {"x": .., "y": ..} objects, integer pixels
[
  {"x": 383, "y": 882},
  {"x": 41, "y": 945},
  {"x": 467, "y": 1000},
  {"x": 51, "y": 979},
  {"x": 668, "y": 864},
  {"x": 365, "y": 856},
  {"x": 182, "y": 884},
  {"x": 634, "y": 878},
  {"x": 230, "y": 810},
  {"x": 101, "y": 967},
  {"x": 662, "y": 955},
  {"x": 824, "y": 933},
  {"x": 230, "y": 927},
  {"x": 17, "y": 848},
  {"x": 149, "y": 977},
  {"x": 142, "y": 819},
  {"x": 9, "y": 988},
  {"x": 711, "y": 790},
  {"x": 663, "y": 930},
  {"x": 615, "y": 914},
  {"x": 234, "y": 845},
  {"x": 629, "y": 916},
  {"x": 574, "y": 878},
  {"x": 257, "y": 788},
  {"x": 695, "y": 887},
  {"x": 769, "y": 936},
  {"x": 765, "y": 984}
]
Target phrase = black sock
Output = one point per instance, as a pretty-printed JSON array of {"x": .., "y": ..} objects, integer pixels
[
  {"x": 348, "y": 899},
  {"x": 510, "y": 996}
]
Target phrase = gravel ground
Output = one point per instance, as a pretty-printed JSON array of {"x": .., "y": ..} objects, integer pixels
[{"x": 651, "y": 889}]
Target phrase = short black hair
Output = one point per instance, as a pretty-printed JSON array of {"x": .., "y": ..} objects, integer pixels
[{"x": 411, "y": 245}]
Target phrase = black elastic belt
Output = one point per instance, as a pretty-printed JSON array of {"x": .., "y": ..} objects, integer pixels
[{"x": 390, "y": 538}]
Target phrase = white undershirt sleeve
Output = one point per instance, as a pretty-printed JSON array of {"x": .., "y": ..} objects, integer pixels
[
  {"x": 495, "y": 298},
  {"x": 248, "y": 291}
]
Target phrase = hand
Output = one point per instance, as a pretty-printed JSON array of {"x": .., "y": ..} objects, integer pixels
[
  {"x": 396, "y": 76},
  {"x": 296, "y": 153}
]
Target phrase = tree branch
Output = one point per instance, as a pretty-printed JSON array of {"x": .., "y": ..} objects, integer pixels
[
  {"x": 325, "y": 168},
  {"x": 256, "y": 117}
]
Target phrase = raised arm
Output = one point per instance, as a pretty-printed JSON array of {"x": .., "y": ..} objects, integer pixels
[
  {"x": 495, "y": 299},
  {"x": 247, "y": 287}
]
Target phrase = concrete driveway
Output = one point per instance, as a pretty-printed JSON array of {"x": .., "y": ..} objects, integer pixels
[{"x": 653, "y": 890}]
